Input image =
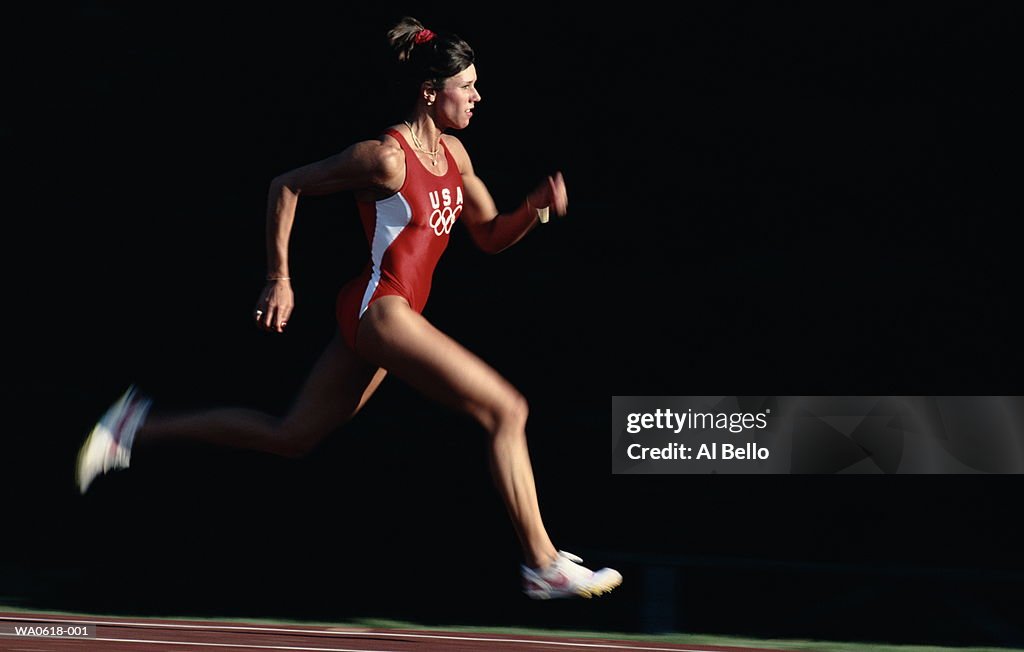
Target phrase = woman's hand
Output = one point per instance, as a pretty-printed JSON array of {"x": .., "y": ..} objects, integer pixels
[
  {"x": 274, "y": 307},
  {"x": 550, "y": 194}
]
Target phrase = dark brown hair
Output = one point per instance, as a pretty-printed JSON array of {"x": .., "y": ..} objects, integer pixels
[{"x": 431, "y": 59}]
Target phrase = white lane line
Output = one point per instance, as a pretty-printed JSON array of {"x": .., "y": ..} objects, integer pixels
[
  {"x": 379, "y": 632},
  {"x": 229, "y": 645}
]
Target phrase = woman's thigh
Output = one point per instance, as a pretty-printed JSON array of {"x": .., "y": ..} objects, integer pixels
[
  {"x": 336, "y": 389},
  {"x": 395, "y": 337}
]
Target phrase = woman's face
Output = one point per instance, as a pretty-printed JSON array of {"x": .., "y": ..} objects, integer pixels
[{"x": 455, "y": 101}]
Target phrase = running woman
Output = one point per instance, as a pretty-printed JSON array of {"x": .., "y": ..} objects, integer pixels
[{"x": 411, "y": 185}]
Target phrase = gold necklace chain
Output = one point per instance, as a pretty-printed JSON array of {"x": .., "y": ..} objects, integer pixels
[{"x": 419, "y": 145}]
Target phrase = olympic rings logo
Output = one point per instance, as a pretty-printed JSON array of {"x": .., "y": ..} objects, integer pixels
[{"x": 442, "y": 219}]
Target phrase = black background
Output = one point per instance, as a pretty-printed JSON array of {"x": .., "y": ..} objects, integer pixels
[{"x": 765, "y": 199}]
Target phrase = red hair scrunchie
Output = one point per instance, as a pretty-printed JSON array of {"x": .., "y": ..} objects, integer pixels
[{"x": 423, "y": 36}]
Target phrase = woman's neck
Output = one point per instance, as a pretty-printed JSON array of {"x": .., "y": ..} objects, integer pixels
[{"x": 425, "y": 132}]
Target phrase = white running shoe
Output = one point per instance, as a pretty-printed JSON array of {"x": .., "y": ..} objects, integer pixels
[
  {"x": 109, "y": 445},
  {"x": 565, "y": 578}
]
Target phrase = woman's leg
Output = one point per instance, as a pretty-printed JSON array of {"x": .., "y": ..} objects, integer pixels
[
  {"x": 336, "y": 389},
  {"x": 402, "y": 341}
]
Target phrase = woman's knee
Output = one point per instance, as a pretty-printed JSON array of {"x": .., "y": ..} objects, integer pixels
[
  {"x": 293, "y": 441},
  {"x": 507, "y": 414}
]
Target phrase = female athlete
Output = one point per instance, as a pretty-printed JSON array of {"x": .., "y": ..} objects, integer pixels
[{"x": 411, "y": 185}]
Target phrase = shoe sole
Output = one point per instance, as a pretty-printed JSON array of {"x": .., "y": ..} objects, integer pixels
[
  {"x": 580, "y": 592},
  {"x": 83, "y": 454}
]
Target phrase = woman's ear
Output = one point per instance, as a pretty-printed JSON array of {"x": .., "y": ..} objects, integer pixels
[{"x": 428, "y": 92}]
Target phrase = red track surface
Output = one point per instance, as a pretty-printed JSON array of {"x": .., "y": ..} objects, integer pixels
[{"x": 122, "y": 634}]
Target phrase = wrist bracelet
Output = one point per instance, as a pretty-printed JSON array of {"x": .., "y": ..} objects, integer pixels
[
  {"x": 542, "y": 213},
  {"x": 279, "y": 278}
]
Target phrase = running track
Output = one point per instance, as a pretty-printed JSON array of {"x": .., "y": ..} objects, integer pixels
[{"x": 121, "y": 635}]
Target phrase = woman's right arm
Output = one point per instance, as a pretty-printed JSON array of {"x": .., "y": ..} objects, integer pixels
[{"x": 369, "y": 165}]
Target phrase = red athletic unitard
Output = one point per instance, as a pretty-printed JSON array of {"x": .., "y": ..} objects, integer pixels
[{"x": 407, "y": 233}]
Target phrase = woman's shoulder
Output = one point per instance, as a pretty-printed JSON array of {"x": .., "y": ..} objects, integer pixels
[
  {"x": 390, "y": 152},
  {"x": 387, "y": 140},
  {"x": 453, "y": 143},
  {"x": 458, "y": 151},
  {"x": 381, "y": 158},
  {"x": 383, "y": 143}
]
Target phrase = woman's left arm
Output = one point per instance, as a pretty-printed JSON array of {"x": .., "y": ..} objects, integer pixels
[{"x": 493, "y": 231}]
